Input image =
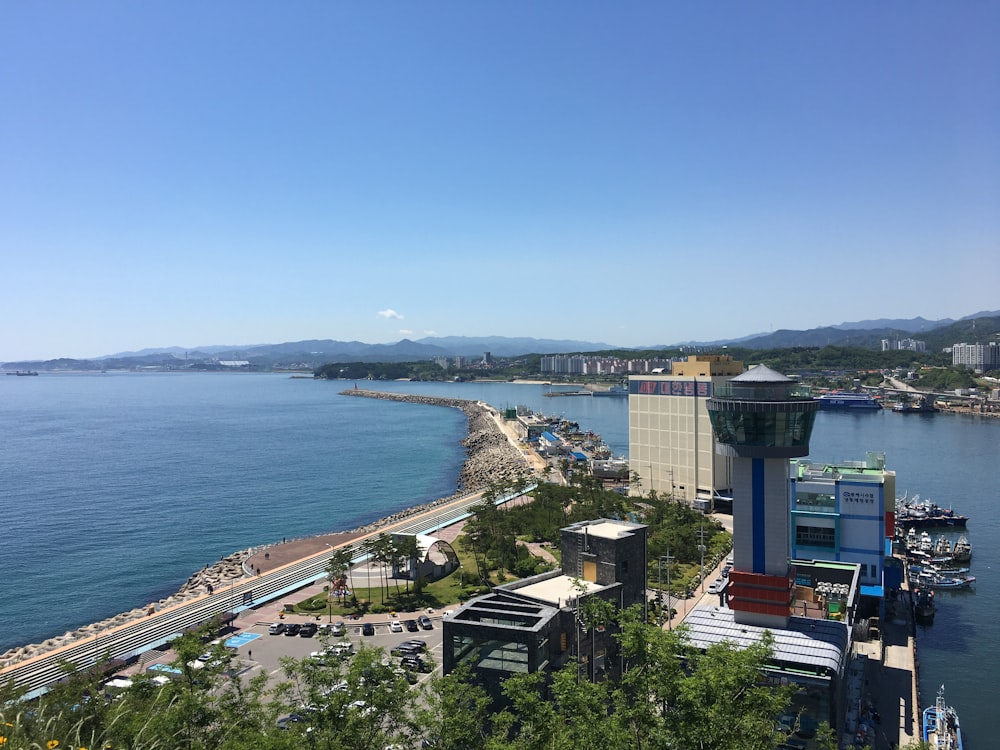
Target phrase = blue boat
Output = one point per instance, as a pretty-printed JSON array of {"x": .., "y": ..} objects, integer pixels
[
  {"x": 847, "y": 401},
  {"x": 941, "y": 729}
]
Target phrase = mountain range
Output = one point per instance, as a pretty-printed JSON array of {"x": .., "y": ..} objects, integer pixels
[{"x": 937, "y": 334}]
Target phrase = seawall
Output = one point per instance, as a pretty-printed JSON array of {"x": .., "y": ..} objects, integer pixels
[{"x": 490, "y": 458}]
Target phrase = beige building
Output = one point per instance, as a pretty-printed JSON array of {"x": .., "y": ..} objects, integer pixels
[{"x": 671, "y": 446}]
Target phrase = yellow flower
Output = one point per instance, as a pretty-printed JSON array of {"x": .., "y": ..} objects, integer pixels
[
  {"x": 52, "y": 744},
  {"x": 3, "y": 740}
]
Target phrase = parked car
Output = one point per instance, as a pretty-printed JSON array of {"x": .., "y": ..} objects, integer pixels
[
  {"x": 411, "y": 625},
  {"x": 285, "y": 721},
  {"x": 292, "y": 628},
  {"x": 395, "y": 626},
  {"x": 413, "y": 663},
  {"x": 410, "y": 646},
  {"x": 308, "y": 630},
  {"x": 276, "y": 628},
  {"x": 425, "y": 622},
  {"x": 725, "y": 571},
  {"x": 717, "y": 586},
  {"x": 405, "y": 650},
  {"x": 367, "y": 629},
  {"x": 339, "y": 629}
]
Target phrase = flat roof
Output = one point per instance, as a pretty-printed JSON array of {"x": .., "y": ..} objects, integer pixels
[
  {"x": 607, "y": 529},
  {"x": 559, "y": 590},
  {"x": 819, "y": 644}
]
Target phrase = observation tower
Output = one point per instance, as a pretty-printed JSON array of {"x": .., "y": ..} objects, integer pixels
[{"x": 760, "y": 424}]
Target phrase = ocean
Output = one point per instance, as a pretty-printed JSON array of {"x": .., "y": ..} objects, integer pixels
[{"x": 115, "y": 487}]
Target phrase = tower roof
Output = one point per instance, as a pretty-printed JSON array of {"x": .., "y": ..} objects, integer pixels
[{"x": 761, "y": 374}]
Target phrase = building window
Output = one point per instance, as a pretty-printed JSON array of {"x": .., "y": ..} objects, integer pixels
[
  {"x": 489, "y": 653},
  {"x": 815, "y": 536},
  {"x": 819, "y": 500}
]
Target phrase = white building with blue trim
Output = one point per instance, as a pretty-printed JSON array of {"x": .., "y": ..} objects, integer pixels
[{"x": 838, "y": 512}]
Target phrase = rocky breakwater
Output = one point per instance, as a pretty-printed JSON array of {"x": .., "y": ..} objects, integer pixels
[
  {"x": 211, "y": 577},
  {"x": 490, "y": 459},
  {"x": 490, "y": 456}
]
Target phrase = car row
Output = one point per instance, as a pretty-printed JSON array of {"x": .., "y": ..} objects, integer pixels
[{"x": 309, "y": 629}]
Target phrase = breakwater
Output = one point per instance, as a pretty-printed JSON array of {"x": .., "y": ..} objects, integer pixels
[{"x": 490, "y": 458}]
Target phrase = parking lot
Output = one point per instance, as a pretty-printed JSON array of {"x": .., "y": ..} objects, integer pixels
[{"x": 264, "y": 652}]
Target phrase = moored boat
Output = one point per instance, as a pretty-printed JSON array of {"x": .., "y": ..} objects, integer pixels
[
  {"x": 924, "y": 603},
  {"x": 939, "y": 581},
  {"x": 922, "y": 514},
  {"x": 941, "y": 727},
  {"x": 962, "y": 551},
  {"x": 847, "y": 401},
  {"x": 942, "y": 547}
]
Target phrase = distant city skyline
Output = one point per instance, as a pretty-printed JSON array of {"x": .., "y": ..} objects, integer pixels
[{"x": 638, "y": 173}]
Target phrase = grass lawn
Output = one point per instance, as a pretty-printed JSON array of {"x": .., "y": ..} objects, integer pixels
[{"x": 437, "y": 594}]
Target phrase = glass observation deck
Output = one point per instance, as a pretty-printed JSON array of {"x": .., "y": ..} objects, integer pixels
[{"x": 761, "y": 419}]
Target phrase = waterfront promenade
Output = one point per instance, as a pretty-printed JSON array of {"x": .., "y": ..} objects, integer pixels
[{"x": 283, "y": 568}]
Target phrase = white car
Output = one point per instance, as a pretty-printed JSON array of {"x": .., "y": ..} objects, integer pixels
[{"x": 395, "y": 626}]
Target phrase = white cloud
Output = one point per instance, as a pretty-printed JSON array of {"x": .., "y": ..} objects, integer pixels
[
  {"x": 405, "y": 332},
  {"x": 430, "y": 333},
  {"x": 389, "y": 313}
]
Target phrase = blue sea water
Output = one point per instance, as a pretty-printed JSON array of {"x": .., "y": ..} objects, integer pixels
[{"x": 116, "y": 487}]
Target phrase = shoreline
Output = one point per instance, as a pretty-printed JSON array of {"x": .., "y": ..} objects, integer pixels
[{"x": 490, "y": 457}]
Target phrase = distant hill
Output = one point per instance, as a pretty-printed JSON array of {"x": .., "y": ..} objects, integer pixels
[{"x": 313, "y": 353}]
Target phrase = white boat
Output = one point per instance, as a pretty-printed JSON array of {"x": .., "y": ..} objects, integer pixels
[{"x": 926, "y": 542}]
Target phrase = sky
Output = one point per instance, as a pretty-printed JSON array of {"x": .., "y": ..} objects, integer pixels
[{"x": 633, "y": 173}]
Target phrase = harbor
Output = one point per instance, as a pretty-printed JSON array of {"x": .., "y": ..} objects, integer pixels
[{"x": 947, "y": 458}]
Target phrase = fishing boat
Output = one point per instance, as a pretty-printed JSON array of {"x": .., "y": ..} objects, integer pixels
[
  {"x": 923, "y": 513},
  {"x": 924, "y": 603},
  {"x": 926, "y": 543},
  {"x": 941, "y": 727},
  {"x": 942, "y": 547},
  {"x": 962, "y": 551},
  {"x": 938, "y": 581}
]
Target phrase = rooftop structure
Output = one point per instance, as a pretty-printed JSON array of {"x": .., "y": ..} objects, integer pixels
[{"x": 533, "y": 625}]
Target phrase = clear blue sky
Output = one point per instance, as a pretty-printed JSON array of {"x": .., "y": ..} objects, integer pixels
[{"x": 185, "y": 174}]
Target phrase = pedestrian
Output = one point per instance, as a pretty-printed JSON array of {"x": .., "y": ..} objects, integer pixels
[{"x": 250, "y": 654}]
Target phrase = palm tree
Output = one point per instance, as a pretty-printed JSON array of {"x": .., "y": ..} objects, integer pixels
[{"x": 339, "y": 569}]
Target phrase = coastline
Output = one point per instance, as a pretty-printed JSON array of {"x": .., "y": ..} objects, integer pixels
[{"x": 491, "y": 456}]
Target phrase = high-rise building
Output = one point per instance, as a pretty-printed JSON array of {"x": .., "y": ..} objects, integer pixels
[
  {"x": 984, "y": 357},
  {"x": 671, "y": 446}
]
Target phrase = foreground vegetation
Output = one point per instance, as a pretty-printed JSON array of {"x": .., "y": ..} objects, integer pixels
[{"x": 672, "y": 696}]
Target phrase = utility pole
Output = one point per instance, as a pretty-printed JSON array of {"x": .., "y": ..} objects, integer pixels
[
  {"x": 670, "y": 607},
  {"x": 668, "y": 559},
  {"x": 701, "y": 549}
]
